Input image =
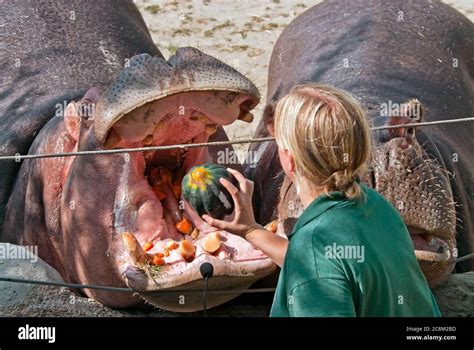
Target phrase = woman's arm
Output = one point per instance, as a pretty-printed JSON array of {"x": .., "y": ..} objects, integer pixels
[
  {"x": 244, "y": 224},
  {"x": 270, "y": 243}
]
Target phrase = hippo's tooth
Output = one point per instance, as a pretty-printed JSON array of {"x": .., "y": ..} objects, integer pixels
[
  {"x": 135, "y": 250},
  {"x": 211, "y": 129},
  {"x": 198, "y": 116},
  {"x": 147, "y": 141},
  {"x": 246, "y": 117},
  {"x": 160, "y": 125}
]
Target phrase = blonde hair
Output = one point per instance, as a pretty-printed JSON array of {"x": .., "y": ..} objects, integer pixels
[{"x": 326, "y": 132}]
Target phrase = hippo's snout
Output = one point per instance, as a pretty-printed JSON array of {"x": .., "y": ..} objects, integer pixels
[{"x": 419, "y": 187}]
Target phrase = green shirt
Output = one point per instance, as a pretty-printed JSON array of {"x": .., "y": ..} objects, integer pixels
[{"x": 348, "y": 258}]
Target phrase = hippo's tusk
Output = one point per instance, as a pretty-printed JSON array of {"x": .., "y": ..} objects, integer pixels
[
  {"x": 137, "y": 254},
  {"x": 198, "y": 116},
  {"x": 211, "y": 129},
  {"x": 246, "y": 117},
  {"x": 433, "y": 258}
]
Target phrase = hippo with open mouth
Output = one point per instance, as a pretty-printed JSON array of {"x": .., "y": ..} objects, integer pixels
[
  {"x": 64, "y": 90},
  {"x": 406, "y": 62}
]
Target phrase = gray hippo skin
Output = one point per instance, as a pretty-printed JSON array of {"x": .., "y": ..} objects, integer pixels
[
  {"x": 88, "y": 77},
  {"x": 417, "y": 55}
]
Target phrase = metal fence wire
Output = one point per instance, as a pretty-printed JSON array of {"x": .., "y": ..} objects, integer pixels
[{"x": 18, "y": 157}]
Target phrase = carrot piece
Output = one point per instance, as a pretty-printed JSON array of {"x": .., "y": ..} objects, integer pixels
[
  {"x": 147, "y": 246},
  {"x": 184, "y": 226},
  {"x": 154, "y": 178},
  {"x": 187, "y": 250},
  {"x": 165, "y": 176},
  {"x": 177, "y": 189},
  {"x": 159, "y": 192},
  {"x": 212, "y": 242},
  {"x": 158, "y": 260},
  {"x": 172, "y": 245}
]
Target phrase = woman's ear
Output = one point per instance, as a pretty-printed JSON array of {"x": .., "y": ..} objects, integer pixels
[
  {"x": 291, "y": 161},
  {"x": 287, "y": 163}
]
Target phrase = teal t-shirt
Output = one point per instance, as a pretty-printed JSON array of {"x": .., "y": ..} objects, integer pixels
[{"x": 348, "y": 258}]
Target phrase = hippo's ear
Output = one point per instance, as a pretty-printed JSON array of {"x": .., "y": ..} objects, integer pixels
[
  {"x": 413, "y": 109},
  {"x": 79, "y": 114},
  {"x": 268, "y": 118},
  {"x": 92, "y": 95}
]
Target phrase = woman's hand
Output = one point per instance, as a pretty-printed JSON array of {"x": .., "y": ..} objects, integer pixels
[
  {"x": 244, "y": 224},
  {"x": 244, "y": 219}
]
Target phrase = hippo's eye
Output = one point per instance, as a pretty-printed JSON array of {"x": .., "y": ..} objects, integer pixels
[{"x": 411, "y": 131}]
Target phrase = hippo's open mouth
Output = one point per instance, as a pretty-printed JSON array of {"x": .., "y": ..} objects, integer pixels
[
  {"x": 161, "y": 242},
  {"x": 148, "y": 202},
  {"x": 429, "y": 247}
]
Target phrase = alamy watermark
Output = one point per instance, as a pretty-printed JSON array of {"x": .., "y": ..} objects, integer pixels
[
  {"x": 352, "y": 252},
  {"x": 37, "y": 333},
  {"x": 394, "y": 109},
  {"x": 86, "y": 110},
  {"x": 230, "y": 156},
  {"x": 10, "y": 252}
]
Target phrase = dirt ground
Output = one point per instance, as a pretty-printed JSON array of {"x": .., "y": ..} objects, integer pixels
[{"x": 241, "y": 33}]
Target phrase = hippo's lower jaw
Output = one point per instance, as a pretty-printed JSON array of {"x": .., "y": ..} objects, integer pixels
[
  {"x": 420, "y": 189},
  {"x": 152, "y": 217},
  {"x": 156, "y": 286}
]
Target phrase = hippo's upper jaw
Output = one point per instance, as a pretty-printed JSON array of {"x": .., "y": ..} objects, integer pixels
[
  {"x": 155, "y": 103},
  {"x": 137, "y": 96}
]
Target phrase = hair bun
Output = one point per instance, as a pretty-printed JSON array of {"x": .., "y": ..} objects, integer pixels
[
  {"x": 340, "y": 180},
  {"x": 343, "y": 182}
]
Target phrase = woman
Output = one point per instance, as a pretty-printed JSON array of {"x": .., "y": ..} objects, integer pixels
[{"x": 350, "y": 253}]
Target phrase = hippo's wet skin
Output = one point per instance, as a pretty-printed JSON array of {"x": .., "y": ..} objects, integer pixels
[
  {"x": 388, "y": 54},
  {"x": 75, "y": 209}
]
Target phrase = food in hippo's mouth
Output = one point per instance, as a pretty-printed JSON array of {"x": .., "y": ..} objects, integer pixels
[
  {"x": 212, "y": 242},
  {"x": 169, "y": 236},
  {"x": 187, "y": 250},
  {"x": 184, "y": 226}
]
